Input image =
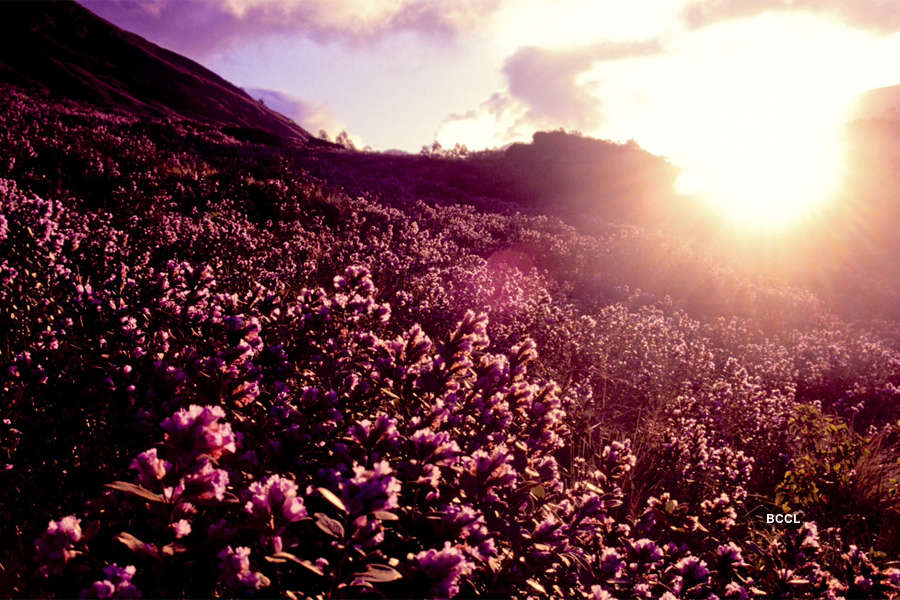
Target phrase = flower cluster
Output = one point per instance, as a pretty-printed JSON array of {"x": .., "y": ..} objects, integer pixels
[{"x": 235, "y": 378}]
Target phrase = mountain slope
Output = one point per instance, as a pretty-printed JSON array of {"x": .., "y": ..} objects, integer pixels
[
  {"x": 68, "y": 51},
  {"x": 880, "y": 103},
  {"x": 160, "y": 285}
]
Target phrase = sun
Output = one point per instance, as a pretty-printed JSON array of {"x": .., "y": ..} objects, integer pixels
[
  {"x": 753, "y": 112},
  {"x": 773, "y": 167}
]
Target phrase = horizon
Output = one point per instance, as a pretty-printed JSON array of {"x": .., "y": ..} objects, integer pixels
[
  {"x": 238, "y": 361},
  {"x": 730, "y": 92}
]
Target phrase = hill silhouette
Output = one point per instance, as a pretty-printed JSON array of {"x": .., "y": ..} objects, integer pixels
[
  {"x": 67, "y": 51},
  {"x": 288, "y": 369}
]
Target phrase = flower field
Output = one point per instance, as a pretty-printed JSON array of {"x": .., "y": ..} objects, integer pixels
[{"x": 222, "y": 375}]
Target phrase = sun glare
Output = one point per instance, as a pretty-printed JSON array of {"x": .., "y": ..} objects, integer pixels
[
  {"x": 767, "y": 148},
  {"x": 774, "y": 165},
  {"x": 752, "y": 111}
]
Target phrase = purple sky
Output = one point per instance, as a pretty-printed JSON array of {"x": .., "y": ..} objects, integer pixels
[{"x": 398, "y": 74}]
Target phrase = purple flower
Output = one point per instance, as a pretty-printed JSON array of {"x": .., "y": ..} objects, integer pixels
[
  {"x": 647, "y": 552},
  {"x": 485, "y": 472},
  {"x": 383, "y": 432},
  {"x": 220, "y": 530},
  {"x": 464, "y": 523},
  {"x": 611, "y": 562},
  {"x": 862, "y": 583},
  {"x": 617, "y": 458},
  {"x": 441, "y": 569},
  {"x": 205, "y": 483},
  {"x": 56, "y": 546},
  {"x": 692, "y": 570},
  {"x": 736, "y": 591},
  {"x": 368, "y": 532},
  {"x": 116, "y": 585},
  {"x": 729, "y": 555},
  {"x": 276, "y": 496},
  {"x": 151, "y": 469},
  {"x": 196, "y": 430},
  {"x": 598, "y": 593},
  {"x": 370, "y": 490},
  {"x": 234, "y": 569},
  {"x": 435, "y": 448},
  {"x": 809, "y": 536},
  {"x": 720, "y": 510},
  {"x": 181, "y": 528}
]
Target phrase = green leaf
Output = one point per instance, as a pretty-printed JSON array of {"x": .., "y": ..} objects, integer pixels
[
  {"x": 329, "y": 495},
  {"x": 135, "y": 490},
  {"x": 593, "y": 488},
  {"x": 536, "y": 586},
  {"x": 277, "y": 561},
  {"x": 376, "y": 573},
  {"x": 137, "y": 546},
  {"x": 173, "y": 549},
  {"x": 329, "y": 525},
  {"x": 287, "y": 556},
  {"x": 383, "y": 515}
]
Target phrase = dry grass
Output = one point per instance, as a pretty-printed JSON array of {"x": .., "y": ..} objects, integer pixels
[{"x": 877, "y": 486}]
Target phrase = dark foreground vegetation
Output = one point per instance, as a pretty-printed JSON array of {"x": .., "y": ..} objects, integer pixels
[{"x": 224, "y": 376}]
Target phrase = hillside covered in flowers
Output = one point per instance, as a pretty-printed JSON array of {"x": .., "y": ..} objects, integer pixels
[{"x": 222, "y": 374}]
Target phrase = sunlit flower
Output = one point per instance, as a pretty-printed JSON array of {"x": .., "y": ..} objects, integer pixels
[{"x": 276, "y": 496}]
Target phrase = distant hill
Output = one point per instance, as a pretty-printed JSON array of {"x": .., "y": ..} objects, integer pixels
[
  {"x": 583, "y": 180},
  {"x": 880, "y": 103},
  {"x": 575, "y": 175},
  {"x": 67, "y": 51}
]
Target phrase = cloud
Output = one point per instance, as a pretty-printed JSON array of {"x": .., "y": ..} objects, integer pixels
[
  {"x": 881, "y": 16},
  {"x": 547, "y": 81},
  {"x": 201, "y": 27},
  {"x": 311, "y": 116},
  {"x": 545, "y": 90},
  {"x": 497, "y": 121}
]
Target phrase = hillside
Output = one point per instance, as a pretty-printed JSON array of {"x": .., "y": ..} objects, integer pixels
[
  {"x": 64, "y": 49},
  {"x": 880, "y": 103},
  {"x": 203, "y": 322},
  {"x": 240, "y": 365}
]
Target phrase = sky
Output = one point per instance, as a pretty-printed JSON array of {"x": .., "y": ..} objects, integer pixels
[{"x": 687, "y": 79}]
